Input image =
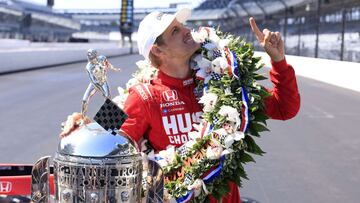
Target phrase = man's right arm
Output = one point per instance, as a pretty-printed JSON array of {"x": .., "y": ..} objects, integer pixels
[{"x": 138, "y": 118}]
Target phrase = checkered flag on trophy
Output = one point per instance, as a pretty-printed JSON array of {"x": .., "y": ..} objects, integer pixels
[{"x": 110, "y": 116}]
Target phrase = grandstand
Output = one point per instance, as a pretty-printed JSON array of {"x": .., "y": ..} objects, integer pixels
[
  {"x": 316, "y": 28},
  {"x": 21, "y": 20}
]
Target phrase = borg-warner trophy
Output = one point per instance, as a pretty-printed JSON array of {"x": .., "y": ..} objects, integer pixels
[{"x": 97, "y": 162}]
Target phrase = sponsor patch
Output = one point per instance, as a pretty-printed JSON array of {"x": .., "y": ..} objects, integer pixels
[
  {"x": 170, "y": 95},
  {"x": 142, "y": 93},
  {"x": 188, "y": 82},
  {"x": 5, "y": 187}
]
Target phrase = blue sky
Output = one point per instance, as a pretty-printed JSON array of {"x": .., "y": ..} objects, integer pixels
[{"x": 104, "y": 4}]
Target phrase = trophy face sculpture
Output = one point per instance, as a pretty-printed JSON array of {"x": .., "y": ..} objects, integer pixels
[{"x": 98, "y": 163}]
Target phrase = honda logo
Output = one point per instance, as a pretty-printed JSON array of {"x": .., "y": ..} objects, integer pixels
[
  {"x": 170, "y": 95},
  {"x": 5, "y": 186}
]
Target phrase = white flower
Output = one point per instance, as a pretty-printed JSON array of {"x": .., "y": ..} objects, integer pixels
[
  {"x": 200, "y": 35},
  {"x": 193, "y": 135},
  {"x": 132, "y": 82},
  {"x": 228, "y": 91},
  {"x": 198, "y": 127},
  {"x": 121, "y": 98},
  {"x": 201, "y": 74},
  {"x": 227, "y": 151},
  {"x": 197, "y": 186},
  {"x": 230, "y": 139},
  {"x": 146, "y": 71},
  {"x": 219, "y": 65},
  {"x": 213, "y": 37},
  {"x": 210, "y": 46},
  {"x": 221, "y": 131},
  {"x": 189, "y": 144},
  {"x": 231, "y": 114},
  {"x": 223, "y": 43},
  {"x": 143, "y": 64},
  {"x": 204, "y": 63},
  {"x": 166, "y": 156},
  {"x": 196, "y": 58},
  {"x": 210, "y": 54},
  {"x": 238, "y": 135},
  {"x": 209, "y": 100},
  {"x": 201, "y": 64},
  {"x": 214, "y": 152}
]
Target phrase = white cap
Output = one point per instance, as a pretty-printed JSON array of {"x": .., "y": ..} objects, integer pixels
[{"x": 153, "y": 25}]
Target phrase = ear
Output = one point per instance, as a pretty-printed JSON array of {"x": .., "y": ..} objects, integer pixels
[{"x": 156, "y": 50}]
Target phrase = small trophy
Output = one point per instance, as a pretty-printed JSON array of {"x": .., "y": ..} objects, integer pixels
[{"x": 96, "y": 68}]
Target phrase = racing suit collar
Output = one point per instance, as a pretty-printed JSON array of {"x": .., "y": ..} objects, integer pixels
[{"x": 171, "y": 81}]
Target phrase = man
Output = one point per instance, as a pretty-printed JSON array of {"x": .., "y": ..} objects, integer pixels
[{"x": 163, "y": 111}]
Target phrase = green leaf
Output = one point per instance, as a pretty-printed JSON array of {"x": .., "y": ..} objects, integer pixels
[
  {"x": 252, "y": 147},
  {"x": 246, "y": 158},
  {"x": 258, "y": 127},
  {"x": 260, "y": 116},
  {"x": 260, "y": 77}
]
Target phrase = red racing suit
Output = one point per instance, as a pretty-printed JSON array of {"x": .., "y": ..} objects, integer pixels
[{"x": 163, "y": 111}]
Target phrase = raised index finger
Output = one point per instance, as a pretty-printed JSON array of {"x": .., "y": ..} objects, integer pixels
[{"x": 255, "y": 29}]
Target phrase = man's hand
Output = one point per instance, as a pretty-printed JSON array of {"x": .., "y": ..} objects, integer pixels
[
  {"x": 271, "y": 41},
  {"x": 72, "y": 123}
]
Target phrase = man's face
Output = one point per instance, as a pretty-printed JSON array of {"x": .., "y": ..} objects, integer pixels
[{"x": 178, "y": 41}]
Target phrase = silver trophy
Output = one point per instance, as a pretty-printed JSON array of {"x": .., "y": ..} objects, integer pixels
[
  {"x": 97, "y": 162},
  {"x": 93, "y": 165}
]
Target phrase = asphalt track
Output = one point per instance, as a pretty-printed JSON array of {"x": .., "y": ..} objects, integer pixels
[{"x": 314, "y": 157}]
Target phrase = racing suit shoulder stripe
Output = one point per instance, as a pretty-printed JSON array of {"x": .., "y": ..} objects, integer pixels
[
  {"x": 144, "y": 91},
  {"x": 146, "y": 86}
]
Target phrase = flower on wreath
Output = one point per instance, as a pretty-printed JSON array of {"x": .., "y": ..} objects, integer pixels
[
  {"x": 197, "y": 186},
  {"x": 214, "y": 152},
  {"x": 231, "y": 138},
  {"x": 227, "y": 91},
  {"x": 209, "y": 101},
  {"x": 219, "y": 65},
  {"x": 200, "y": 35},
  {"x": 208, "y": 33},
  {"x": 202, "y": 66},
  {"x": 166, "y": 157},
  {"x": 132, "y": 82},
  {"x": 146, "y": 71},
  {"x": 231, "y": 115},
  {"x": 193, "y": 136},
  {"x": 228, "y": 138}
]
